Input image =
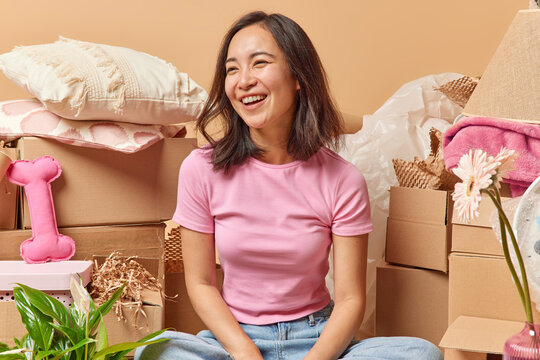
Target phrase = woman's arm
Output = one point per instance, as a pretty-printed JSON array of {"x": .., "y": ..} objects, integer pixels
[
  {"x": 200, "y": 270},
  {"x": 350, "y": 259}
]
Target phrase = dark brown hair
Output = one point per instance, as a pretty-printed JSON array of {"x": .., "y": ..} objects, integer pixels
[{"x": 317, "y": 122}]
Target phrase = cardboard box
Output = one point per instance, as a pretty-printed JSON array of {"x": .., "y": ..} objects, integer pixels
[
  {"x": 150, "y": 318},
  {"x": 477, "y": 236},
  {"x": 472, "y": 338},
  {"x": 418, "y": 228},
  {"x": 130, "y": 240},
  {"x": 476, "y": 240},
  {"x": 138, "y": 323},
  {"x": 420, "y": 205},
  {"x": 417, "y": 244},
  {"x": 102, "y": 187},
  {"x": 411, "y": 302},
  {"x": 481, "y": 286},
  {"x": 8, "y": 193}
]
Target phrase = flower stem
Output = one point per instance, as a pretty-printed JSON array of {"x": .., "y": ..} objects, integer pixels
[
  {"x": 505, "y": 223},
  {"x": 86, "y": 333}
]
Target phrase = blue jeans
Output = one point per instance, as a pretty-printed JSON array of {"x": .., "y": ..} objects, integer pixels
[{"x": 289, "y": 340}]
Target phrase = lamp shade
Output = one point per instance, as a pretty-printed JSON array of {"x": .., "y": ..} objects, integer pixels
[{"x": 510, "y": 85}]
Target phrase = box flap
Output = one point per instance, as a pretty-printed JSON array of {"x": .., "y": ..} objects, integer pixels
[
  {"x": 151, "y": 297},
  {"x": 475, "y": 239},
  {"x": 417, "y": 244},
  {"x": 479, "y": 334},
  {"x": 420, "y": 205}
]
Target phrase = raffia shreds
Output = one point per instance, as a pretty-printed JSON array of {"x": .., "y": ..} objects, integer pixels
[
  {"x": 115, "y": 271},
  {"x": 65, "y": 70},
  {"x": 117, "y": 84}
]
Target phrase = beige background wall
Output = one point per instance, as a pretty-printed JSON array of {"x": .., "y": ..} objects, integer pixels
[{"x": 369, "y": 47}]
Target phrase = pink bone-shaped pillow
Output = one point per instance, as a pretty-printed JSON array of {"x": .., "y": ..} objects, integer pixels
[{"x": 46, "y": 242}]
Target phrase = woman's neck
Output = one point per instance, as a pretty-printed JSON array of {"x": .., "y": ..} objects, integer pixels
[{"x": 274, "y": 146}]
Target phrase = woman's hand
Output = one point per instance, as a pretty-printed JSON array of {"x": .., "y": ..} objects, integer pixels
[{"x": 251, "y": 353}]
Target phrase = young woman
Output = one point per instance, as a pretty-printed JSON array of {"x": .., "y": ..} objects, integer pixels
[{"x": 273, "y": 198}]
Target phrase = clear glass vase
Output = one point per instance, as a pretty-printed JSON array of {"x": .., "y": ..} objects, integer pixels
[{"x": 524, "y": 345}]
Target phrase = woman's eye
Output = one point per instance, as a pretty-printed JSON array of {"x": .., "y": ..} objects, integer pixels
[
  {"x": 230, "y": 70},
  {"x": 260, "y": 62}
]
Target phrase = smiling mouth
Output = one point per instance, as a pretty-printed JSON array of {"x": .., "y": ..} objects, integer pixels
[{"x": 250, "y": 100}]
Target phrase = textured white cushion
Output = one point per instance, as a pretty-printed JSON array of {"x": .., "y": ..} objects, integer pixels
[{"x": 86, "y": 81}]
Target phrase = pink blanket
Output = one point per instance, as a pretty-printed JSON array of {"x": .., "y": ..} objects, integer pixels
[{"x": 490, "y": 135}]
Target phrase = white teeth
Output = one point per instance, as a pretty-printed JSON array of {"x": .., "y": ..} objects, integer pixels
[{"x": 250, "y": 99}]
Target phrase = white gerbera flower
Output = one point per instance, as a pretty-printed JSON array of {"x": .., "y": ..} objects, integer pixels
[
  {"x": 505, "y": 160},
  {"x": 476, "y": 170}
]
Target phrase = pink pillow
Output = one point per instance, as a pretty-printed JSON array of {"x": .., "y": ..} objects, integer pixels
[{"x": 29, "y": 117}]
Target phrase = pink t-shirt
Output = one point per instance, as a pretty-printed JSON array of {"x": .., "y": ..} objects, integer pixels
[{"x": 273, "y": 226}]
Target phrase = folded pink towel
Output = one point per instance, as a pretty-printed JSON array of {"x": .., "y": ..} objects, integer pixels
[{"x": 490, "y": 135}]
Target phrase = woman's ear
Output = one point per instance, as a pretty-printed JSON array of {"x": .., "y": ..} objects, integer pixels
[{"x": 297, "y": 85}]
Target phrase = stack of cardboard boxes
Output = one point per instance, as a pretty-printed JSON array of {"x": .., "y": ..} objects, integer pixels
[
  {"x": 445, "y": 280},
  {"x": 412, "y": 287},
  {"x": 484, "y": 306},
  {"x": 106, "y": 201}
]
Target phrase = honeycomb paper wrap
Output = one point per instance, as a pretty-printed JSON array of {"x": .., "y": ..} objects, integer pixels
[{"x": 430, "y": 173}]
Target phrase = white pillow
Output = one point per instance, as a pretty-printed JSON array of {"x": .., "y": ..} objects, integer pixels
[{"x": 86, "y": 81}]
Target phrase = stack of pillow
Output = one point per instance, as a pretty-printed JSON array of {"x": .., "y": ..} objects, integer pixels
[{"x": 96, "y": 95}]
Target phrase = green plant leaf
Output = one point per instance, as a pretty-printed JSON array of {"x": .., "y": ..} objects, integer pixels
[
  {"x": 28, "y": 343},
  {"x": 79, "y": 345},
  {"x": 62, "y": 342},
  {"x": 71, "y": 334},
  {"x": 36, "y": 323},
  {"x": 120, "y": 355},
  {"x": 48, "y": 305},
  {"x": 12, "y": 354},
  {"x": 127, "y": 346},
  {"x": 45, "y": 354},
  {"x": 104, "y": 308},
  {"x": 102, "y": 340},
  {"x": 153, "y": 335}
]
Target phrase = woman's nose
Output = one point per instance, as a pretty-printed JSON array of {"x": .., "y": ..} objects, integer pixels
[{"x": 246, "y": 80}]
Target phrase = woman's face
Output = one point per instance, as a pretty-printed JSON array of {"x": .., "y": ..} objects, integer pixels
[{"x": 258, "y": 82}]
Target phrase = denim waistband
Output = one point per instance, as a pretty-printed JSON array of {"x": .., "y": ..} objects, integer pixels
[{"x": 326, "y": 311}]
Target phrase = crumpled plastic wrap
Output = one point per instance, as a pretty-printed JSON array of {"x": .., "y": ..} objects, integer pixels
[{"x": 399, "y": 129}]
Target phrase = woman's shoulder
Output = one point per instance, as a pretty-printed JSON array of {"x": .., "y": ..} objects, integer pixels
[{"x": 334, "y": 160}]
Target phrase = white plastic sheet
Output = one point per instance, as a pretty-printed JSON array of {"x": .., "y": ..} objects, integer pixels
[{"x": 399, "y": 129}]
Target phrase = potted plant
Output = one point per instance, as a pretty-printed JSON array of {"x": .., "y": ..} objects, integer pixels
[{"x": 59, "y": 333}]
